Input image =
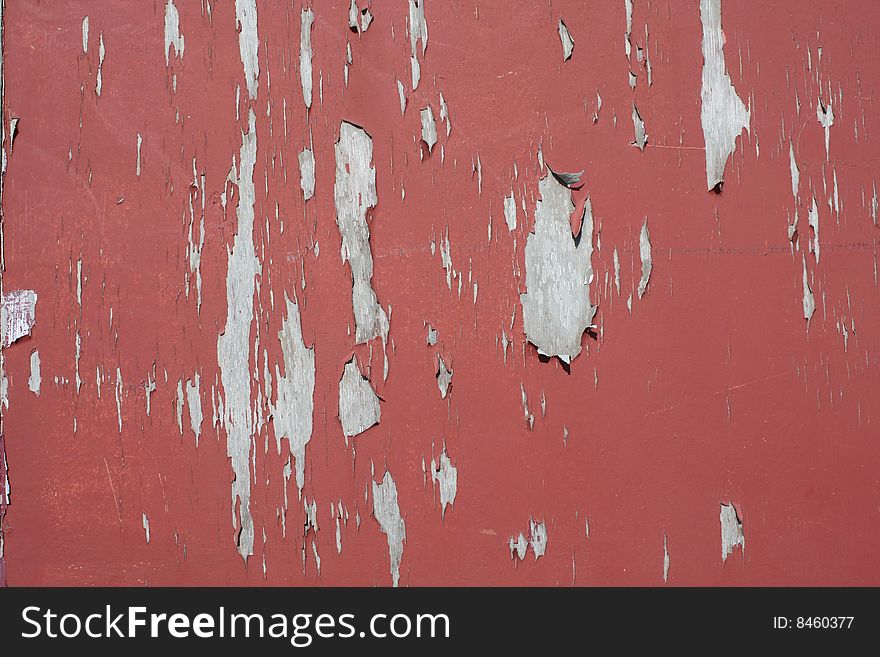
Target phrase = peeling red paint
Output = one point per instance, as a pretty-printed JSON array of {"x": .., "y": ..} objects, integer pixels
[{"x": 712, "y": 389}]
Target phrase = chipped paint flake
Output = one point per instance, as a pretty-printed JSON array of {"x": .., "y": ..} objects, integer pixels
[
  {"x": 99, "y": 76},
  {"x": 510, "y": 211},
  {"x": 444, "y": 378},
  {"x": 146, "y": 524},
  {"x": 645, "y": 255},
  {"x": 429, "y": 128},
  {"x": 354, "y": 194},
  {"x": 387, "y": 513},
  {"x": 723, "y": 114},
  {"x": 556, "y": 306},
  {"x": 34, "y": 379},
  {"x": 292, "y": 411},
  {"x": 567, "y": 41},
  {"x": 173, "y": 37},
  {"x": 641, "y": 137},
  {"x": 537, "y": 541},
  {"x": 358, "y": 403},
  {"x": 19, "y": 312},
  {"x": 825, "y": 116},
  {"x": 248, "y": 43},
  {"x": 731, "y": 531},
  {"x": 194, "y": 405},
  {"x": 233, "y": 345},
  {"x": 809, "y": 301},
  {"x": 418, "y": 31},
  {"x": 307, "y": 173},
  {"x": 305, "y": 55},
  {"x": 446, "y": 475},
  {"x": 85, "y": 34}
]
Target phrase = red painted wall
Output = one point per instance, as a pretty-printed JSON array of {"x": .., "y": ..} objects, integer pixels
[{"x": 713, "y": 389}]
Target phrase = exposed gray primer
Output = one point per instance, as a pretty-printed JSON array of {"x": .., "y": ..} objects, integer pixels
[
  {"x": 645, "y": 255},
  {"x": 358, "y": 403},
  {"x": 194, "y": 404},
  {"x": 173, "y": 37},
  {"x": 723, "y": 114},
  {"x": 387, "y": 513},
  {"x": 85, "y": 32},
  {"x": 825, "y": 116},
  {"x": 248, "y": 43},
  {"x": 355, "y": 193},
  {"x": 537, "y": 541},
  {"x": 233, "y": 345},
  {"x": 146, "y": 523},
  {"x": 795, "y": 172},
  {"x": 731, "y": 531},
  {"x": 444, "y": 377},
  {"x": 429, "y": 128},
  {"x": 307, "y": 173},
  {"x": 446, "y": 475},
  {"x": 641, "y": 137},
  {"x": 305, "y": 55},
  {"x": 510, "y": 211},
  {"x": 292, "y": 411},
  {"x": 34, "y": 380},
  {"x": 418, "y": 30},
  {"x": 17, "y": 315},
  {"x": 813, "y": 220},
  {"x": 556, "y": 306},
  {"x": 567, "y": 41},
  {"x": 809, "y": 301}
]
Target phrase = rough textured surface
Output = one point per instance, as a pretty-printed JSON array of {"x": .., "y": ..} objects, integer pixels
[{"x": 201, "y": 296}]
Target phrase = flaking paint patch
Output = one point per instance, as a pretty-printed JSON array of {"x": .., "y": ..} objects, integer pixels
[
  {"x": 556, "y": 306},
  {"x": 665, "y": 560},
  {"x": 17, "y": 315},
  {"x": 173, "y": 37},
  {"x": 645, "y": 255},
  {"x": 146, "y": 524},
  {"x": 248, "y": 43},
  {"x": 307, "y": 17},
  {"x": 34, "y": 379},
  {"x": 386, "y": 510},
  {"x": 446, "y": 475},
  {"x": 233, "y": 345},
  {"x": 567, "y": 41},
  {"x": 358, "y": 403},
  {"x": 307, "y": 173},
  {"x": 731, "y": 531},
  {"x": 354, "y": 194},
  {"x": 293, "y": 408},
  {"x": 418, "y": 31},
  {"x": 723, "y": 114}
]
